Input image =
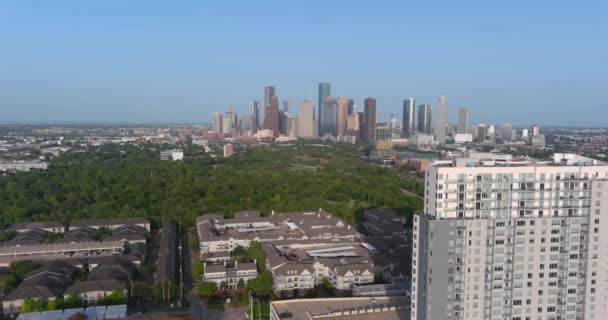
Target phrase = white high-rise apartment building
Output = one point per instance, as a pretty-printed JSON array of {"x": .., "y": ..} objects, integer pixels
[{"x": 520, "y": 240}]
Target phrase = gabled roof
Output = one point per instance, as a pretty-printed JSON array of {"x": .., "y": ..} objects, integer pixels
[
  {"x": 37, "y": 292},
  {"x": 95, "y": 285},
  {"x": 110, "y": 272},
  {"x": 110, "y": 221},
  {"x": 36, "y": 225}
]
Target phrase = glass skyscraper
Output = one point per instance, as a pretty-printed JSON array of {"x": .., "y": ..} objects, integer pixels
[{"x": 329, "y": 118}]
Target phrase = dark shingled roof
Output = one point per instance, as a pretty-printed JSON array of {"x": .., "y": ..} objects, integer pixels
[
  {"x": 96, "y": 285},
  {"x": 110, "y": 221}
]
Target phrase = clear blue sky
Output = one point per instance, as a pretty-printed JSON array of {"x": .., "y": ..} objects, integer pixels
[{"x": 509, "y": 61}]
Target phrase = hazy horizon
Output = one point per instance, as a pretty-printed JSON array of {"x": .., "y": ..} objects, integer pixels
[{"x": 178, "y": 62}]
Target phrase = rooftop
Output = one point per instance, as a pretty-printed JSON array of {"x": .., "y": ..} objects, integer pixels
[{"x": 361, "y": 308}]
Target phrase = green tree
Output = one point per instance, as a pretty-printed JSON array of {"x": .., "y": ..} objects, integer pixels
[
  {"x": 116, "y": 297},
  {"x": 139, "y": 290},
  {"x": 22, "y": 268},
  {"x": 164, "y": 291},
  {"x": 240, "y": 284},
  {"x": 52, "y": 305},
  {"x": 7, "y": 283},
  {"x": 197, "y": 269},
  {"x": 205, "y": 288},
  {"x": 72, "y": 301},
  {"x": 262, "y": 284},
  {"x": 28, "y": 305}
]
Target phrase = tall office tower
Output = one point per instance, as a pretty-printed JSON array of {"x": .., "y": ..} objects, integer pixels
[
  {"x": 226, "y": 124},
  {"x": 442, "y": 120},
  {"x": 506, "y": 132},
  {"x": 482, "y": 132},
  {"x": 329, "y": 118},
  {"x": 217, "y": 122},
  {"x": 369, "y": 120},
  {"x": 292, "y": 126},
  {"x": 271, "y": 116},
  {"x": 230, "y": 124},
  {"x": 351, "y": 106},
  {"x": 407, "y": 124},
  {"x": 535, "y": 130},
  {"x": 352, "y": 124},
  {"x": 286, "y": 106},
  {"x": 269, "y": 92},
  {"x": 247, "y": 125},
  {"x": 324, "y": 93},
  {"x": 361, "y": 126},
  {"x": 512, "y": 241},
  {"x": 342, "y": 102},
  {"x": 283, "y": 122},
  {"x": 424, "y": 118},
  {"x": 383, "y": 133},
  {"x": 307, "y": 119},
  {"x": 463, "y": 120},
  {"x": 254, "y": 107}
]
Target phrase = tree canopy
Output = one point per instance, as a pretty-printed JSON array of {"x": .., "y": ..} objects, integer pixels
[{"x": 129, "y": 180}]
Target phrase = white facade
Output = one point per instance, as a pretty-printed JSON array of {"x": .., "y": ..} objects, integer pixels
[
  {"x": 173, "y": 155},
  {"x": 512, "y": 242}
]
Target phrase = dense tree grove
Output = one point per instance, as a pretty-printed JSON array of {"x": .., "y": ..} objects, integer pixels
[{"x": 130, "y": 180}]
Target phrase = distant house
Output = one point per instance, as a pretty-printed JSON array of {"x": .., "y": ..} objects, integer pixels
[
  {"x": 92, "y": 291},
  {"x": 112, "y": 223},
  {"x": 171, "y": 155},
  {"x": 49, "y": 226}
]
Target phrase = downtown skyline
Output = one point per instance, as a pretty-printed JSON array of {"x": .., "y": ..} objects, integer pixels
[{"x": 520, "y": 63}]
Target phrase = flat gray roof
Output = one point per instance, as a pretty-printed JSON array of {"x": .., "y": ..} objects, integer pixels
[{"x": 360, "y": 308}]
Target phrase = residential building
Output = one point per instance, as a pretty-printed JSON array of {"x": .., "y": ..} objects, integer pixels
[
  {"x": 360, "y": 308},
  {"x": 407, "y": 124},
  {"x": 424, "y": 118},
  {"x": 172, "y": 155},
  {"x": 463, "y": 120},
  {"x": 342, "y": 102},
  {"x": 22, "y": 165},
  {"x": 92, "y": 291},
  {"x": 512, "y": 240},
  {"x": 48, "y": 226},
  {"x": 442, "y": 120},
  {"x": 369, "y": 120},
  {"x": 219, "y": 234},
  {"x": 228, "y": 150},
  {"x": 112, "y": 223},
  {"x": 229, "y": 273}
]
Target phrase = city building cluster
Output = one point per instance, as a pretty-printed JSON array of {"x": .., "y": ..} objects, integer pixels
[{"x": 337, "y": 119}]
